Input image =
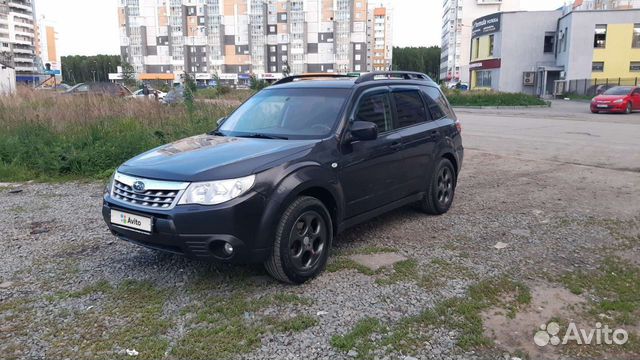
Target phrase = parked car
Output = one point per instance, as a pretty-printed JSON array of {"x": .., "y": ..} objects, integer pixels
[
  {"x": 100, "y": 89},
  {"x": 138, "y": 94},
  {"x": 622, "y": 99},
  {"x": 174, "y": 96},
  {"x": 291, "y": 168}
]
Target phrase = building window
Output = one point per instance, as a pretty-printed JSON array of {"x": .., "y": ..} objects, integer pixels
[
  {"x": 549, "y": 42},
  {"x": 564, "y": 39},
  {"x": 597, "y": 66},
  {"x": 635, "y": 66},
  {"x": 358, "y": 57},
  {"x": 636, "y": 36},
  {"x": 483, "y": 79},
  {"x": 491, "y": 43},
  {"x": 357, "y": 67},
  {"x": 600, "y": 37},
  {"x": 476, "y": 48}
]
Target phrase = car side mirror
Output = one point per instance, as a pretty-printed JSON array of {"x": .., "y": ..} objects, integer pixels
[
  {"x": 364, "y": 130},
  {"x": 220, "y": 121}
]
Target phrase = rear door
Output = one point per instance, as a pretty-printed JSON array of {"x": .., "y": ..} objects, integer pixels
[
  {"x": 370, "y": 170},
  {"x": 419, "y": 135}
]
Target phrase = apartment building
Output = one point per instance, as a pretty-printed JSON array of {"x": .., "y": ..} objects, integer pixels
[
  {"x": 457, "y": 24},
  {"x": 582, "y": 5},
  {"x": 380, "y": 34},
  {"x": 47, "y": 47},
  {"x": 18, "y": 37},
  {"x": 233, "y": 39}
]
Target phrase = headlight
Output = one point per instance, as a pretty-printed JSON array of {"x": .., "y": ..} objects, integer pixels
[
  {"x": 109, "y": 186},
  {"x": 619, "y": 101},
  {"x": 216, "y": 192}
]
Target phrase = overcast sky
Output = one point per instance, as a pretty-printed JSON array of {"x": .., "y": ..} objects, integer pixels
[{"x": 89, "y": 27}]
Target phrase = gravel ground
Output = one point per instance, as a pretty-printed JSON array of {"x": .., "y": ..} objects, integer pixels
[{"x": 56, "y": 255}]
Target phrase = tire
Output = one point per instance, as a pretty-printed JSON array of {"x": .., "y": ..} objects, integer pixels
[
  {"x": 629, "y": 108},
  {"x": 440, "y": 189},
  {"x": 303, "y": 239},
  {"x": 595, "y": 112}
]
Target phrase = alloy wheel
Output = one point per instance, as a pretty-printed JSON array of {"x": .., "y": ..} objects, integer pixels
[
  {"x": 445, "y": 186},
  {"x": 307, "y": 241}
]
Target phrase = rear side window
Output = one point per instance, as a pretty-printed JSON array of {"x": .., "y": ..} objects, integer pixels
[
  {"x": 437, "y": 104},
  {"x": 376, "y": 108},
  {"x": 410, "y": 108}
]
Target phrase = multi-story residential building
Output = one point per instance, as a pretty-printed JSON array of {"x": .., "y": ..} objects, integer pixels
[
  {"x": 380, "y": 31},
  {"x": 603, "y": 5},
  {"x": 233, "y": 39},
  {"x": 18, "y": 37},
  {"x": 47, "y": 48},
  {"x": 457, "y": 19}
]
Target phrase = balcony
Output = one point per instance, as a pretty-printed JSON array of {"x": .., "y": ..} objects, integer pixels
[
  {"x": 22, "y": 51},
  {"x": 25, "y": 68},
  {"x": 19, "y": 59},
  {"x": 22, "y": 5}
]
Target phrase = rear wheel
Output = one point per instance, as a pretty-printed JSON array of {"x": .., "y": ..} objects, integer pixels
[
  {"x": 440, "y": 190},
  {"x": 303, "y": 239}
]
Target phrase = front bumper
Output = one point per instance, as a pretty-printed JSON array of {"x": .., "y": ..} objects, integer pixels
[
  {"x": 622, "y": 107},
  {"x": 200, "y": 232}
]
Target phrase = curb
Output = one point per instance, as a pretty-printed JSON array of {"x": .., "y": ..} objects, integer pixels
[{"x": 504, "y": 107}]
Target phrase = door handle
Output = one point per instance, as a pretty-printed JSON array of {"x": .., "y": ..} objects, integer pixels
[{"x": 397, "y": 145}]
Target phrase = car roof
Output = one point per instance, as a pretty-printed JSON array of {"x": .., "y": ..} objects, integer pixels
[{"x": 337, "y": 81}]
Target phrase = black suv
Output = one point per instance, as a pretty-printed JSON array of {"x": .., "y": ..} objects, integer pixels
[{"x": 292, "y": 167}]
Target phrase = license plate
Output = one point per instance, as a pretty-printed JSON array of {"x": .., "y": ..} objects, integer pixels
[
  {"x": 603, "y": 106},
  {"x": 137, "y": 222}
]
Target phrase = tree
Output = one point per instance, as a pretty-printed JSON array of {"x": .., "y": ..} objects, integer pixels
[
  {"x": 421, "y": 59},
  {"x": 128, "y": 74},
  {"x": 286, "y": 69},
  {"x": 77, "y": 69}
]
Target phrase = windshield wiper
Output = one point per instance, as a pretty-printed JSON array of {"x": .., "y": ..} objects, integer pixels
[
  {"x": 263, "y": 136},
  {"x": 216, "y": 133}
]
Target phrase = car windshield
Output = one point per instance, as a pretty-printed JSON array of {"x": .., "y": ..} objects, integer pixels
[
  {"x": 287, "y": 113},
  {"x": 618, "y": 91}
]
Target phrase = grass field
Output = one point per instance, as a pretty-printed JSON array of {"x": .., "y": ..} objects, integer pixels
[
  {"x": 490, "y": 98},
  {"x": 49, "y": 137}
]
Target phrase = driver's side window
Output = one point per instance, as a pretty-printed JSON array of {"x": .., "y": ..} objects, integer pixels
[{"x": 376, "y": 108}]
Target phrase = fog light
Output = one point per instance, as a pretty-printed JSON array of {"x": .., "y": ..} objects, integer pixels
[{"x": 228, "y": 248}]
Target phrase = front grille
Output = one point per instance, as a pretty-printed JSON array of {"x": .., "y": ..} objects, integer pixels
[
  {"x": 150, "y": 198},
  {"x": 161, "y": 195}
]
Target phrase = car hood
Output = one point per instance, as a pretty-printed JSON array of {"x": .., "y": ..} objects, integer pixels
[
  {"x": 208, "y": 157},
  {"x": 609, "y": 97}
]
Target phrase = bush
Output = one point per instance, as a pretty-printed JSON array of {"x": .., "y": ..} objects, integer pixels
[
  {"x": 491, "y": 98},
  {"x": 50, "y": 136}
]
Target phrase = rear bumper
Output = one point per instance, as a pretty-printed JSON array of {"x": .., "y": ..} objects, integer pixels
[{"x": 200, "y": 232}]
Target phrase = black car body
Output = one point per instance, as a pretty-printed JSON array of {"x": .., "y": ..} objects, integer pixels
[{"x": 353, "y": 149}]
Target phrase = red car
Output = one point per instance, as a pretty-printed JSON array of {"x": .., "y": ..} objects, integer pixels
[{"x": 621, "y": 99}]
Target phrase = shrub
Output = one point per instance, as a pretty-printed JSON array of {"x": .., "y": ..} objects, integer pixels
[
  {"x": 491, "y": 98},
  {"x": 47, "y": 136}
]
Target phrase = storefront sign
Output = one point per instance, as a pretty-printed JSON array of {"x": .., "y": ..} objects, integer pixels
[
  {"x": 486, "y": 64},
  {"x": 228, "y": 76},
  {"x": 203, "y": 76},
  {"x": 486, "y": 25}
]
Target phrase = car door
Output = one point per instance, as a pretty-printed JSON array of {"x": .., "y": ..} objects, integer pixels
[
  {"x": 419, "y": 135},
  {"x": 635, "y": 99},
  {"x": 369, "y": 169}
]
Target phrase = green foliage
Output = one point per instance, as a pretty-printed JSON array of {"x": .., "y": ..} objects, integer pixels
[
  {"x": 491, "y": 98},
  {"x": 128, "y": 74},
  {"x": 421, "y": 59},
  {"x": 53, "y": 151},
  {"x": 257, "y": 84},
  {"x": 221, "y": 89},
  {"x": 78, "y": 69}
]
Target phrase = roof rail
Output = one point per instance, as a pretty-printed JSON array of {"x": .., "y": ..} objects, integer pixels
[
  {"x": 405, "y": 75},
  {"x": 293, "y": 78}
]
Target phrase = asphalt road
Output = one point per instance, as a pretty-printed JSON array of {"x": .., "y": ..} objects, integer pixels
[{"x": 565, "y": 133}]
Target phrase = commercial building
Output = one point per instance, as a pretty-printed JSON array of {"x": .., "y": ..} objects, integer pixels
[
  {"x": 18, "y": 36},
  {"x": 604, "y": 4},
  {"x": 233, "y": 39},
  {"x": 552, "y": 52},
  {"x": 457, "y": 19}
]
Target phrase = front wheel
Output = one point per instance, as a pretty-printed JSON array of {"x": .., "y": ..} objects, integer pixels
[
  {"x": 440, "y": 189},
  {"x": 303, "y": 239},
  {"x": 629, "y": 108}
]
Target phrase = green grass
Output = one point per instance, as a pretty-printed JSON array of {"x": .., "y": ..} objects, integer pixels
[
  {"x": 63, "y": 138},
  {"x": 461, "y": 314},
  {"x": 616, "y": 286},
  {"x": 490, "y": 98}
]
